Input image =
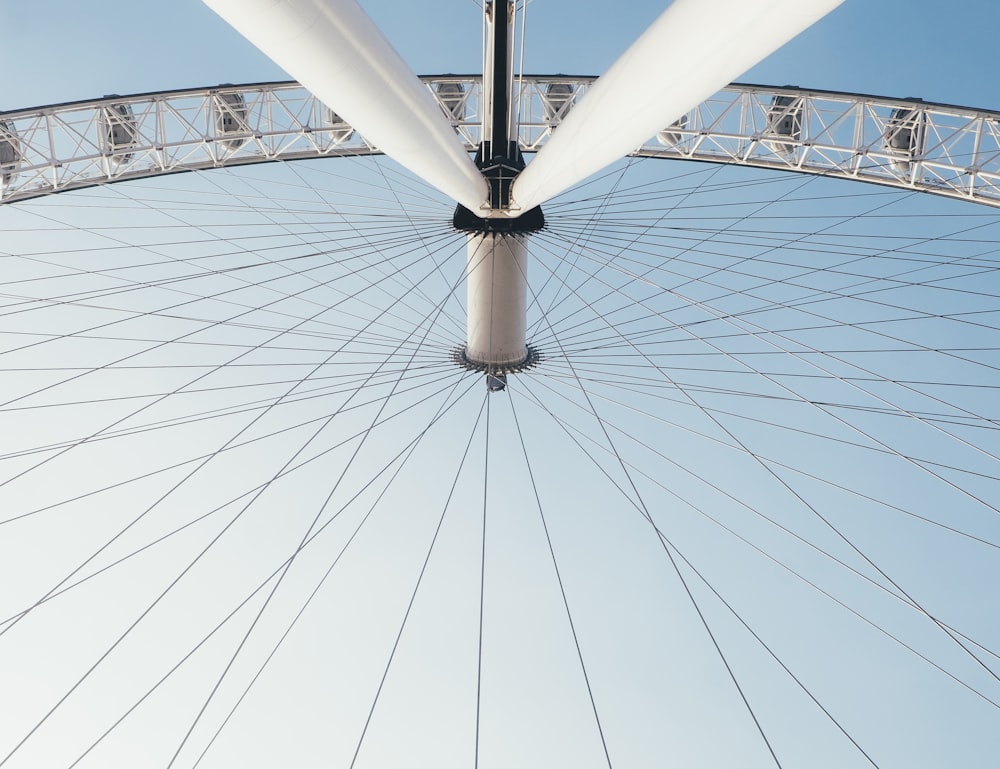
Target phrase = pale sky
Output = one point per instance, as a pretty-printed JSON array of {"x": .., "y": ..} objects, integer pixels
[{"x": 814, "y": 436}]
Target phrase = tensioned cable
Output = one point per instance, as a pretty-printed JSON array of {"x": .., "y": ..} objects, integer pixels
[
  {"x": 207, "y": 457},
  {"x": 249, "y": 441},
  {"x": 355, "y": 254},
  {"x": 854, "y": 382},
  {"x": 697, "y": 608},
  {"x": 645, "y": 511},
  {"x": 426, "y": 195},
  {"x": 825, "y": 294},
  {"x": 277, "y": 476},
  {"x": 456, "y": 324},
  {"x": 762, "y": 334},
  {"x": 148, "y": 405},
  {"x": 771, "y": 242},
  {"x": 335, "y": 486},
  {"x": 884, "y": 254},
  {"x": 569, "y": 429},
  {"x": 133, "y": 355},
  {"x": 482, "y": 584},
  {"x": 383, "y": 224},
  {"x": 731, "y": 497},
  {"x": 578, "y": 208},
  {"x": 391, "y": 237},
  {"x": 373, "y": 341},
  {"x": 320, "y": 391},
  {"x": 420, "y": 577},
  {"x": 621, "y": 250},
  {"x": 163, "y": 312},
  {"x": 665, "y": 542},
  {"x": 828, "y": 523},
  {"x": 676, "y": 425},
  {"x": 582, "y": 238},
  {"x": 409, "y": 452},
  {"x": 409, "y": 224},
  {"x": 558, "y": 219},
  {"x": 164, "y": 593},
  {"x": 562, "y": 586},
  {"x": 405, "y": 454},
  {"x": 757, "y": 370},
  {"x": 240, "y": 432},
  {"x": 588, "y": 347},
  {"x": 760, "y": 641},
  {"x": 950, "y": 404},
  {"x": 326, "y": 384},
  {"x": 972, "y": 654},
  {"x": 610, "y": 370},
  {"x": 35, "y": 303}
]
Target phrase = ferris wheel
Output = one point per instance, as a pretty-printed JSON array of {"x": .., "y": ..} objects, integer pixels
[{"x": 669, "y": 443}]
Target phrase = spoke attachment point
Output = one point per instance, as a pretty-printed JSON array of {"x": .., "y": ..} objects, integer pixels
[{"x": 496, "y": 375}]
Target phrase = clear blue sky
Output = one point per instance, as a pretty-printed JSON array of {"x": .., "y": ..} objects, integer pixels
[
  {"x": 62, "y": 50},
  {"x": 663, "y": 696}
]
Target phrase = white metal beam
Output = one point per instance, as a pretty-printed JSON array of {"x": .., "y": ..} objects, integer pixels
[
  {"x": 951, "y": 151},
  {"x": 335, "y": 50},
  {"x": 692, "y": 50}
]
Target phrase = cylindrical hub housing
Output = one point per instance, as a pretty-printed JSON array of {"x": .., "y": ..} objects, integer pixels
[{"x": 497, "y": 300}]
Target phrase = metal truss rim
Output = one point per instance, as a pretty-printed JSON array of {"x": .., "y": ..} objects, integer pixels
[{"x": 903, "y": 143}]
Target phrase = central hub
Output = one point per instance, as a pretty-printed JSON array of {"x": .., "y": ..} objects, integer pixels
[
  {"x": 459, "y": 356},
  {"x": 497, "y": 267},
  {"x": 500, "y": 172},
  {"x": 466, "y": 221}
]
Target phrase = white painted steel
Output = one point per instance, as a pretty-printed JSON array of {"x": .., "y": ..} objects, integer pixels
[
  {"x": 692, "y": 50},
  {"x": 497, "y": 292},
  {"x": 60, "y": 147},
  {"x": 336, "y": 51}
]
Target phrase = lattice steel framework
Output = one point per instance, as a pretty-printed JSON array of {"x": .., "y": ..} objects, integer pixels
[{"x": 944, "y": 150}]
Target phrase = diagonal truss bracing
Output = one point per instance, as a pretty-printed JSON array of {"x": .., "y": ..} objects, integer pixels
[{"x": 907, "y": 143}]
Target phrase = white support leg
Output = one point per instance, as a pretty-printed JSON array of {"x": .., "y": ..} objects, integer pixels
[
  {"x": 691, "y": 51},
  {"x": 335, "y": 50},
  {"x": 497, "y": 300}
]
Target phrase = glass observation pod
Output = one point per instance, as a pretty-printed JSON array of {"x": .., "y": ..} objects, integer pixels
[
  {"x": 672, "y": 135},
  {"x": 784, "y": 118},
  {"x": 452, "y": 98},
  {"x": 10, "y": 154},
  {"x": 119, "y": 135},
  {"x": 338, "y": 128},
  {"x": 904, "y": 137},
  {"x": 231, "y": 120},
  {"x": 558, "y": 101}
]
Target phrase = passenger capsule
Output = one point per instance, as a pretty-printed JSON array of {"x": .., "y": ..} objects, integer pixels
[
  {"x": 904, "y": 137},
  {"x": 451, "y": 95},
  {"x": 558, "y": 101},
  {"x": 119, "y": 135},
  {"x": 671, "y": 136},
  {"x": 784, "y": 118},
  {"x": 231, "y": 120},
  {"x": 339, "y": 129},
  {"x": 10, "y": 154}
]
